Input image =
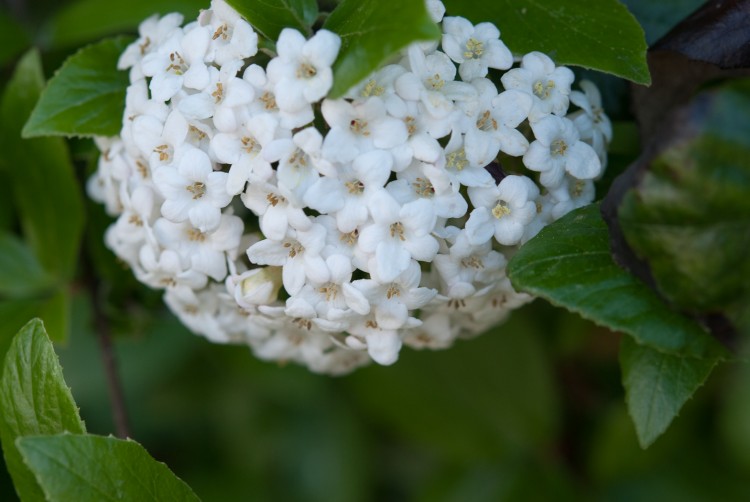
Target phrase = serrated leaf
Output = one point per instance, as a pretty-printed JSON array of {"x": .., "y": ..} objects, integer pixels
[
  {"x": 84, "y": 21},
  {"x": 47, "y": 194},
  {"x": 269, "y": 18},
  {"x": 94, "y": 468},
  {"x": 569, "y": 264},
  {"x": 86, "y": 97},
  {"x": 21, "y": 275},
  {"x": 599, "y": 35},
  {"x": 657, "y": 385},
  {"x": 34, "y": 399},
  {"x": 688, "y": 216},
  {"x": 372, "y": 31}
]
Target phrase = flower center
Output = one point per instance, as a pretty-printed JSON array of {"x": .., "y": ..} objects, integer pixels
[
  {"x": 372, "y": 88},
  {"x": 250, "y": 144},
  {"x": 397, "y": 230},
  {"x": 542, "y": 89},
  {"x": 198, "y": 189},
  {"x": 294, "y": 248},
  {"x": 355, "y": 187},
  {"x": 306, "y": 71},
  {"x": 275, "y": 199},
  {"x": 195, "y": 235},
  {"x": 558, "y": 148},
  {"x": 472, "y": 262},
  {"x": 330, "y": 290},
  {"x": 576, "y": 190},
  {"x": 393, "y": 290},
  {"x": 457, "y": 160},
  {"x": 222, "y": 31},
  {"x": 474, "y": 49},
  {"x": 164, "y": 151},
  {"x": 135, "y": 220},
  {"x": 268, "y": 100},
  {"x": 500, "y": 210},
  {"x": 177, "y": 65},
  {"x": 218, "y": 94},
  {"x": 298, "y": 158},
  {"x": 351, "y": 238},
  {"x": 486, "y": 122},
  {"x": 359, "y": 126},
  {"x": 436, "y": 82},
  {"x": 411, "y": 125},
  {"x": 423, "y": 187},
  {"x": 142, "y": 168}
]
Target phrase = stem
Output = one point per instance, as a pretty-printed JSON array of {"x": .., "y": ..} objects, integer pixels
[
  {"x": 106, "y": 349},
  {"x": 114, "y": 385}
]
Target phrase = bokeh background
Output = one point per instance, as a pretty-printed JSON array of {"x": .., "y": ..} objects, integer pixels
[{"x": 532, "y": 410}]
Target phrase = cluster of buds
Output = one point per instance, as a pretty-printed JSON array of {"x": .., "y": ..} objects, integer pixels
[{"x": 331, "y": 232}]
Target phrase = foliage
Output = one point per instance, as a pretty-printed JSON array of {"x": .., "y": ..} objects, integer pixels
[{"x": 522, "y": 413}]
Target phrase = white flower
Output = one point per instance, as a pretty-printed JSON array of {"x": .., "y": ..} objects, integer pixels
[
  {"x": 299, "y": 160},
  {"x": 358, "y": 128},
  {"x": 160, "y": 140},
  {"x": 399, "y": 234},
  {"x": 204, "y": 252},
  {"x": 166, "y": 269},
  {"x": 193, "y": 190},
  {"x": 197, "y": 311},
  {"x": 277, "y": 208},
  {"x": 299, "y": 255},
  {"x": 302, "y": 73},
  {"x": 243, "y": 148},
  {"x": 458, "y": 166},
  {"x": 393, "y": 299},
  {"x": 468, "y": 265},
  {"x": 258, "y": 286},
  {"x": 426, "y": 181},
  {"x": 233, "y": 39},
  {"x": 591, "y": 121},
  {"x": 557, "y": 150},
  {"x": 503, "y": 210},
  {"x": 350, "y": 196},
  {"x": 495, "y": 126},
  {"x": 475, "y": 48},
  {"x": 572, "y": 194},
  {"x": 265, "y": 101},
  {"x": 548, "y": 85},
  {"x": 152, "y": 33},
  {"x": 177, "y": 63},
  {"x": 436, "y": 10}
]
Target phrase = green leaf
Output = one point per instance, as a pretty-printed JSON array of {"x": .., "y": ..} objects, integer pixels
[
  {"x": 47, "y": 194},
  {"x": 269, "y": 18},
  {"x": 84, "y": 21},
  {"x": 599, "y": 35},
  {"x": 34, "y": 399},
  {"x": 689, "y": 215},
  {"x": 569, "y": 263},
  {"x": 93, "y": 468},
  {"x": 86, "y": 97},
  {"x": 21, "y": 275},
  {"x": 371, "y": 32},
  {"x": 657, "y": 385}
]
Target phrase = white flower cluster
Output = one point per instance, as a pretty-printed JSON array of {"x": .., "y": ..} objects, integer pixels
[{"x": 364, "y": 223}]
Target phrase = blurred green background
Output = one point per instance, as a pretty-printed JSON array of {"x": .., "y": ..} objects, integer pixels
[{"x": 532, "y": 410}]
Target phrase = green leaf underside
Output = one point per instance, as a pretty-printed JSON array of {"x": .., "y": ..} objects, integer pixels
[
  {"x": 657, "y": 385},
  {"x": 569, "y": 264},
  {"x": 84, "y": 21},
  {"x": 34, "y": 399},
  {"x": 689, "y": 216},
  {"x": 269, "y": 17},
  {"x": 94, "y": 468},
  {"x": 86, "y": 97},
  {"x": 21, "y": 275},
  {"x": 371, "y": 32},
  {"x": 599, "y": 35},
  {"x": 46, "y": 192}
]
